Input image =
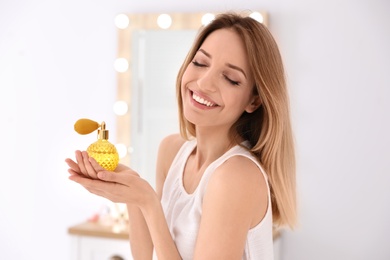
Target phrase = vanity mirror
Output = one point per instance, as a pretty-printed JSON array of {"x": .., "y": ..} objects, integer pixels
[{"x": 151, "y": 49}]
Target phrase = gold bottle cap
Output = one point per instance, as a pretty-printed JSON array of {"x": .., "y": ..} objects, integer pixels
[{"x": 102, "y": 132}]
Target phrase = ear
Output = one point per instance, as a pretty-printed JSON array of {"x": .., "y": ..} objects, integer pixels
[{"x": 254, "y": 104}]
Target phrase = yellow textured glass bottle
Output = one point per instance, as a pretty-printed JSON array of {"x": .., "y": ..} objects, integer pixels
[{"x": 102, "y": 150}]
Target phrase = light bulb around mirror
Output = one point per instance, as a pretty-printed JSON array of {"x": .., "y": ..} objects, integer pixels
[
  {"x": 207, "y": 18},
  {"x": 257, "y": 16},
  {"x": 120, "y": 108},
  {"x": 122, "y": 21},
  {"x": 122, "y": 150},
  {"x": 164, "y": 21},
  {"x": 121, "y": 65}
]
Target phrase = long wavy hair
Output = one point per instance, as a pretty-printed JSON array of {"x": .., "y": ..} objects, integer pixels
[{"x": 268, "y": 129}]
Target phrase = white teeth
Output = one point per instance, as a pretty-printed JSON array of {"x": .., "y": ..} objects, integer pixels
[{"x": 201, "y": 100}]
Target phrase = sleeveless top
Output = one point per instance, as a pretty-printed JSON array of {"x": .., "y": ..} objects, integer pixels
[{"x": 183, "y": 211}]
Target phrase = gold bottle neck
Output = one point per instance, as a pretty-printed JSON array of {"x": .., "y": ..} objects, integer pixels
[{"x": 103, "y": 133}]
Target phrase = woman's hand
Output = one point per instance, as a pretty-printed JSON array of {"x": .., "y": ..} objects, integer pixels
[
  {"x": 122, "y": 186},
  {"x": 83, "y": 166}
]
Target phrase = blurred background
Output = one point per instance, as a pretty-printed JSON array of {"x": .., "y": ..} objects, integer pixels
[{"x": 56, "y": 66}]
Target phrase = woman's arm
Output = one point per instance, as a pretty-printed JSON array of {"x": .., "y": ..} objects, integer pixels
[
  {"x": 140, "y": 241},
  {"x": 139, "y": 234},
  {"x": 235, "y": 200}
]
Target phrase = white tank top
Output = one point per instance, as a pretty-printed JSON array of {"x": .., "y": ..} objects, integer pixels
[{"x": 183, "y": 211}]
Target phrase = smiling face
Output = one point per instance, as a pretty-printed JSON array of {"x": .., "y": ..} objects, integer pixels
[{"x": 217, "y": 86}]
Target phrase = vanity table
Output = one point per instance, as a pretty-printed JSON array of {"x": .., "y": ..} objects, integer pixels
[{"x": 93, "y": 241}]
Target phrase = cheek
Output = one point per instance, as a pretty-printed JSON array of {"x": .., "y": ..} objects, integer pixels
[
  {"x": 245, "y": 102},
  {"x": 186, "y": 76},
  {"x": 185, "y": 79},
  {"x": 182, "y": 87}
]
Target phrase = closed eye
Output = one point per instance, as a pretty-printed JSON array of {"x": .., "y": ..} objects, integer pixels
[
  {"x": 235, "y": 83},
  {"x": 197, "y": 64}
]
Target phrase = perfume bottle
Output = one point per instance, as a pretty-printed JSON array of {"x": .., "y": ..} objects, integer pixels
[{"x": 102, "y": 150}]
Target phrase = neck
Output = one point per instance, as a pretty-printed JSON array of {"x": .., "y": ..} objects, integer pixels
[{"x": 211, "y": 145}]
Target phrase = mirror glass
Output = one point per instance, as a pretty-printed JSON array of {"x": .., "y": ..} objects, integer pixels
[{"x": 153, "y": 100}]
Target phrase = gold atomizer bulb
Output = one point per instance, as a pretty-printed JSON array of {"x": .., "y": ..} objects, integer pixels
[{"x": 102, "y": 150}]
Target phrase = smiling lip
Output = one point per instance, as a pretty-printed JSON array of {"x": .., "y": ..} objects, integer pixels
[{"x": 200, "y": 101}]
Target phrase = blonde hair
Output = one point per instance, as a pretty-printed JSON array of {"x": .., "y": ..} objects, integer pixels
[{"x": 268, "y": 129}]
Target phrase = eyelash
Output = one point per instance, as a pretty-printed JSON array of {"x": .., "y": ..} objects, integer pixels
[
  {"x": 235, "y": 83},
  {"x": 197, "y": 64}
]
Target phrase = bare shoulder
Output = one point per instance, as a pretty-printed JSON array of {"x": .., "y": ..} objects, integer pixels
[
  {"x": 168, "y": 148},
  {"x": 239, "y": 169},
  {"x": 241, "y": 181},
  {"x": 172, "y": 140}
]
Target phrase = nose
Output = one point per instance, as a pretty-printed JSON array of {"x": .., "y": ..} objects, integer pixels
[{"x": 207, "y": 81}]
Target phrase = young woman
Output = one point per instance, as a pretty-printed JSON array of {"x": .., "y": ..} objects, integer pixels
[{"x": 228, "y": 178}]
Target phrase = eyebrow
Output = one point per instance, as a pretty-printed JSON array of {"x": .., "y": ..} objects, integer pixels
[{"x": 227, "y": 64}]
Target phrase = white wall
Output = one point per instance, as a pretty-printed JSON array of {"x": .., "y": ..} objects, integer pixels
[{"x": 56, "y": 66}]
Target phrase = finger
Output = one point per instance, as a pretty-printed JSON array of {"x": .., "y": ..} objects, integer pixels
[
  {"x": 72, "y": 172},
  {"x": 80, "y": 162},
  {"x": 88, "y": 167},
  {"x": 104, "y": 189},
  {"x": 108, "y": 176},
  {"x": 124, "y": 178},
  {"x": 96, "y": 165},
  {"x": 121, "y": 167},
  {"x": 86, "y": 181},
  {"x": 72, "y": 165}
]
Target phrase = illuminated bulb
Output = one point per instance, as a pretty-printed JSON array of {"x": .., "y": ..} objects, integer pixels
[
  {"x": 164, "y": 21},
  {"x": 120, "y": 108},
  {"x": 257, "y": 16},
  {"x": 121, "y": 65},
  {"x": 207, "y": 18},
  {"x": 122, "y": 21},
  {"x": 122, "y": 150}
]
